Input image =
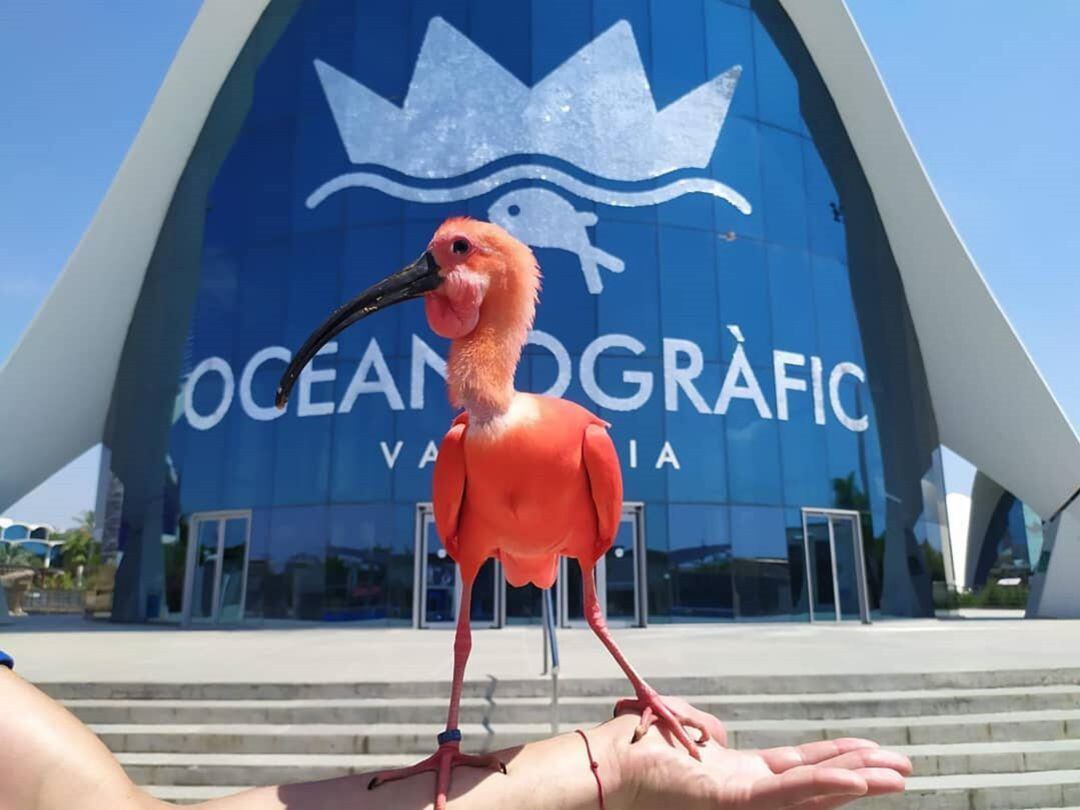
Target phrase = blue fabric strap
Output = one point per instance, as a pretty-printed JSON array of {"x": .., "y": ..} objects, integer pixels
[{"x": 6, "y": 660}]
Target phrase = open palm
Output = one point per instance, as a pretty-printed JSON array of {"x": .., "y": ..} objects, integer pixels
[{"x": 816, "y": 775}]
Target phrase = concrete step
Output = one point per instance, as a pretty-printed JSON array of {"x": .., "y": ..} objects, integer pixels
[
  {"x": 412, "y": 738},
  {"x": 432, "y": 709},
  {"x": 995, "y": 757},
  {"x": 998, "y": 791},
  {"x": 582, "y": 687},
  {"x": 268, "y": 769}
]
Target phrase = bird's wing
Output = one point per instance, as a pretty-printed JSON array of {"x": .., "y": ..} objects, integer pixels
[
  {"x": 449, "y": 486},
  {"x": 605, "y": 481}
]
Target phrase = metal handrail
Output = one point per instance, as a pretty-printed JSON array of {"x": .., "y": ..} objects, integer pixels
[{"x": 551, "y": 645}]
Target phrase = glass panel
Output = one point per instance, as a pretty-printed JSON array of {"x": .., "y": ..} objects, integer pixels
[
  {"x": 233, "y": 563},
  {"x": 699, "y": 563},
  {"x": 483, "y": 595},
  {"x": 523, "y": 605},
  {"x": 440, "y": 575},
  {"x": 202, "y": 583},
  {"x": 575, "y": 607},
  {"x": 808, "y": 270},
  {"x": 821, "y": 582},
  {"x": 175, "y": 550},
  {"x": 621, "y": 564},
  {"x": 846, "y": 567}
]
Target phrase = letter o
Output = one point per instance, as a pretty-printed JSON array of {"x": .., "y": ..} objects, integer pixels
[
  {"x": 261, "y": 413},
  {"x": 195, "y": 419}
]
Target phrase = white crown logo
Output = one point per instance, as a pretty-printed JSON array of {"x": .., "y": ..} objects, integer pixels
[{"x": 595, "y": 112}]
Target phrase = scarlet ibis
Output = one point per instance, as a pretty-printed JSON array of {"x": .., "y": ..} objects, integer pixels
[{"x": 519, "y": 477}]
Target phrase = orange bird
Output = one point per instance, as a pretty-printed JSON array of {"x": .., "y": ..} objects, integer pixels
[{"x": 519, "y": 477}]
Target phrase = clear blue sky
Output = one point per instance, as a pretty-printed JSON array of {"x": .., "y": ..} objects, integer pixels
[{"x": 986, "y": 88}]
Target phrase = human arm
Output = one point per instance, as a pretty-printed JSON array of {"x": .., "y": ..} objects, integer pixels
[
  {"x": 651, "y": 774},
  {"x": 51, "y": 761}
]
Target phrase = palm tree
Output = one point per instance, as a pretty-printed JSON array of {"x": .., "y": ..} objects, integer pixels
[
  {"x": 80, "y": 549},
  {"x": 11, "y": 554}
]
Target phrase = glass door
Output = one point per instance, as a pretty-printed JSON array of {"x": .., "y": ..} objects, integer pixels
[
  {"x": 437, "y": 580},
  {"x": 215, "y": 579},
  {"x": 620, "y": 578},
  {"x": 835, "y": 566}
]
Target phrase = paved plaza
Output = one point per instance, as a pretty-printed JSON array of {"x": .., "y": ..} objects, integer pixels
[{"x": 67, "y": 648}]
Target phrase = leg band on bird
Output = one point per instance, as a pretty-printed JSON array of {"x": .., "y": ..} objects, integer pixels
[{"x": 448, "y": 757}]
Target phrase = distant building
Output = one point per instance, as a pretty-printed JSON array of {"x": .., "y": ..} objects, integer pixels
[
  {"x": 746, "y": 271},
  {"x": 34, "y": 538}
]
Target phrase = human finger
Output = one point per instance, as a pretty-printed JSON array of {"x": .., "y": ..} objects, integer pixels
[
  {"x": 881, "y": 780},
  {"x": 803, "y": 783},
  {"x": 790, "y": 756},
  {"x": 871, "y": 758}
]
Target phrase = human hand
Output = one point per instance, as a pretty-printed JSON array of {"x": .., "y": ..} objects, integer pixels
[{"x": 655, "y": 774}]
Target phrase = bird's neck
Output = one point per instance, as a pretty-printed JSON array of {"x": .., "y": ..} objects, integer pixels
[{"x": 480, "y": 371}]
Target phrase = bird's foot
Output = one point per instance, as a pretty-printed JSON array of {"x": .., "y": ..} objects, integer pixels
[
  {"x": 654, "y": 711},
  {"x": 442, "y": 762}
]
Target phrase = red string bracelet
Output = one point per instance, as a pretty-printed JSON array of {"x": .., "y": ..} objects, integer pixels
[{"x": 595, "y": 767}]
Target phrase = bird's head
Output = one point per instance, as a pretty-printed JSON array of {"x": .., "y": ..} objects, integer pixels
[{"x": 472, "y": 274}]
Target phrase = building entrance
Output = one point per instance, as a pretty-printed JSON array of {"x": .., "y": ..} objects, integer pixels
[
  {"x": 620, "y": 577},
  {"x": 835, "y": 565},
  {"x": 215, "y": 575},
  {"x": 437, "y": 581}
]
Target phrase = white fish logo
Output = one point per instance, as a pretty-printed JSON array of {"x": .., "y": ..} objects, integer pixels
[
  {"x": 542, "y": 218},
  {"x": 595, "y": 113}
]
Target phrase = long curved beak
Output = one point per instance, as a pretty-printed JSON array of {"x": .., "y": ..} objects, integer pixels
[{"x": 419, "y": 278}]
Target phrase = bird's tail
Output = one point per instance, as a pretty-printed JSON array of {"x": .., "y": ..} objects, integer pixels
[{"x": 540, "y": 571}]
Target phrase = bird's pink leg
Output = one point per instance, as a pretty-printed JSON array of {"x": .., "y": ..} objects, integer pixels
[
  {"x": 648, "y": 700},
  {"x": 448, "y": 755}
]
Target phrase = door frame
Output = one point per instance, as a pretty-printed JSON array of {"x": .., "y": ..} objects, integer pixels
[
  {"x": 220, "y": 516},
  {"x": 425, "y": 512},
  {"x": 860, "y": 560},
  {"x": 633, "y": 512}
]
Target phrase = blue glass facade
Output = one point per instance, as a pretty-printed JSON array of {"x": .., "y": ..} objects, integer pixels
[
  {"x": 752, "y": 360},
  {"x": 1012, "y": 545}
]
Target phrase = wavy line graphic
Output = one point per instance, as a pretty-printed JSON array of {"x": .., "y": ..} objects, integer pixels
[{"x": 629, "y": 199}]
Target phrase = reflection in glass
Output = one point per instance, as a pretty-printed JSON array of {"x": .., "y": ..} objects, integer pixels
[
  {"x": 847, "y": 577},
  {"x": 699, "y": 563},
  {"x": 233, "y": 564},
  {"x": 619, "y": 565},
  {"x": 808, "y": 271},
  {"x": 206, "y": 557},
  {"x": 523, "y": 605},
  {"x": 440, "y": 580}
]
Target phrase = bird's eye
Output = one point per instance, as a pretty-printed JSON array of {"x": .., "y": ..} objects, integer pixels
[{"x": 460, "y": 246}]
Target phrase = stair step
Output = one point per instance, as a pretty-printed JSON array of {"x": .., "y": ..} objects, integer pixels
[
  {"x": 998, "y": 791},
  {"x": 384, "y": 738},
  {"x": 893, "y": 731},
  {"x": 596, "y": 687},
  {"x": 432, "y": 709},
  {"x": 994, "y": 757}
]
